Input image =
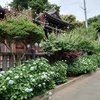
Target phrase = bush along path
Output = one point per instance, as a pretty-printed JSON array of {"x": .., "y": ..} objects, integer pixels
[
  {"x": 31, "y": 79},
  {"x": 36, "y": 77}
]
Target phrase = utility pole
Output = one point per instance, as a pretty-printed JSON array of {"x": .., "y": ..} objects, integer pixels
[{"x": 85, "y": 13}]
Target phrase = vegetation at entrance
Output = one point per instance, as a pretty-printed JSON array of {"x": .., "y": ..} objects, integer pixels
[
  {"x": 78, "y": 39},
  {"x": 32, "y": 78},
  {"x": 20, "y": 29},
  {"x": 76, "y": 53},
  {"x": 82, "y": 65}
]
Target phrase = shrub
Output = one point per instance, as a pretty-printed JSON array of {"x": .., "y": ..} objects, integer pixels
[
  {"x": 82, "y": 65},
  {"x": 60, "y": 69},
  {"x": 32, "y": 78},
  {"x": 97, "y": 57}
]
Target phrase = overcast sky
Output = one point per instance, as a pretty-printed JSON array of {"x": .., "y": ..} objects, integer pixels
[{"x": 74, "y": 7}]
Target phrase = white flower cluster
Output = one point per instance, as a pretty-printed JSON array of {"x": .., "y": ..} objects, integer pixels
[
  {"x": 51, "y": 72},
  {"x": 33, "y": 80},
  {"x": 44, "y": 76},
  {"x": 39, "y": 85},
  {"x": 43, "y": 83},
  {"x": 2, "y": 72},
  {"x": 8, "y": 78},
  {"x": 41, "y": 63},
  {"x": 16, "y": 77},
  {"x": 34, "y": 63},
  {"x": 10, "y": 71},
  {"x": 50, "y": 93},
  {"x": 31, "y": 76},
  {"x": 10, "y": 82},
  {"x": 32, "y": 68},
  {"x": 28, "y": 90}
]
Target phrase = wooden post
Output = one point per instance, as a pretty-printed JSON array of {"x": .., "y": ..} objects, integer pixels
[
  {"x": 11, "y": 61},
  {"x": 4, "y": 65}
]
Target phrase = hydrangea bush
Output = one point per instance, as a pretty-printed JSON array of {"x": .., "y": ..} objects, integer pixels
[
  {"x": 60, "y": 68},
  {"x": 32, "y": 78},
  {"x": 82, "y": 65}
]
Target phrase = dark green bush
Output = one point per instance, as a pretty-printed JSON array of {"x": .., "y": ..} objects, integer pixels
[
  {"x": 60, "y": 69},
  {"x": 82, "y": 65},
  {"x": 32, "y": 78},
  {"x": 97, "y": 57}
]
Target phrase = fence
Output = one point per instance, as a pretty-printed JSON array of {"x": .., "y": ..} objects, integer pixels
[{"x": 7, "y": 59}]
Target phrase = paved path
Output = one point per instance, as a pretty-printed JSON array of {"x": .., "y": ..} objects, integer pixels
[{"x": 86, "y": 88}]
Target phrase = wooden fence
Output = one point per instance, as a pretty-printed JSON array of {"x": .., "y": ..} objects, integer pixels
[{"x": 7, "y": 59}]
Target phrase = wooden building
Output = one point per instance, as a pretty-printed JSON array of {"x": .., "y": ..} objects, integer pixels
[{"x": 51, "y": 21}]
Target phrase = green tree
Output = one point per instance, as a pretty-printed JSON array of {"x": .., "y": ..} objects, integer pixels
[
  {"x": 20, "y": 29},
  {"x": 19, "y": 4},
  {"x": 95, "y": 22},
  {"x": 37, "y": 6},
  {"x": 72, "y": 20}
]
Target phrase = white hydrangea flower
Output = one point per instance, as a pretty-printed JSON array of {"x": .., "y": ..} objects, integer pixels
[
  {"x": 43, "y": 83},
  {"x": 8, "y": 78},
  {"x": 51, "y": 73},
  {"x": 28, "y": 90},
  {"x": 21, "y": 74},
  {"x": 31, "y": 90},
  {"x": 32, "y": 68},
  {"x": 44, "y": 73},
  {"x": 10, "y": 71},
  {"x": 41, "y": 63},
  {"x": 33, "y": 80},
  {"x": 50, "y": 93},
  {"x": 16, "y": 77},
  {"x": 34, "y": 63},
  {"x": 44, "y": 76},
  {"x": 11, "y": 82},
  {"x": 23, "y": 69},
  {"x": 31, "y": 76},
  {"x": 39, "y": 85},
  {"x": 2, "y": 72}
]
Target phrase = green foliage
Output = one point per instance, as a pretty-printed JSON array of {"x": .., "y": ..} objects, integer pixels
[
  {"x": 78, "y": 39},
  {"x": 32, "y": 78},
  {"x": 37, "y": 6},
  {"x": 82, "y": 65},
  {"x": 95, "y": 22},
  {"x": 60, "y": 69},
  {"x": 73, "y": 22},
  {"x": 22, "y": 29},
  {"x": 91, "y": 33},
  {"x": 51, "y": 45},
  {"x": 3, "y": 32},
  {"x": 19, "y": 4},
  {"x": 97, "y": 56}
]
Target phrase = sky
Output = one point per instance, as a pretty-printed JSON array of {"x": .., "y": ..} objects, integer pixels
[{"x": 74, "y": 7}]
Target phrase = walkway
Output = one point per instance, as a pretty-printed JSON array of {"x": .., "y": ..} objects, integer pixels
[{"x": 85, "y": 88}]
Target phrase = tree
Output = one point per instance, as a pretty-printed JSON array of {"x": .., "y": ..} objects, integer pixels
[
  {"x": 20, "y": 29},
  {"x": 72, "y": 20},
  {"x": 95, "y": 22},
  {"x": 19, "y": 4},
  {"x": 37, "y": 6}
]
